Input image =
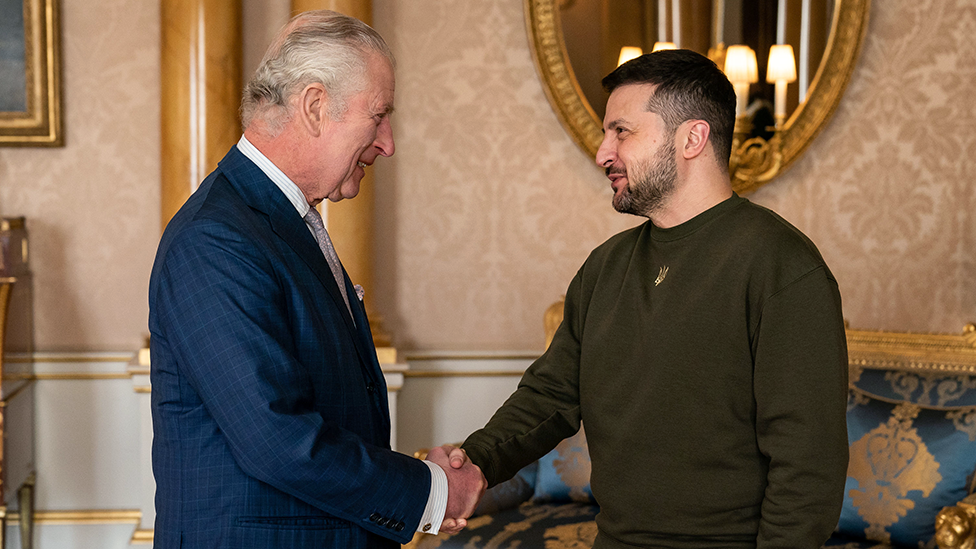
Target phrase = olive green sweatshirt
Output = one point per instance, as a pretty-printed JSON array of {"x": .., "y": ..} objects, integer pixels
[{"x": 709, "y": 364}]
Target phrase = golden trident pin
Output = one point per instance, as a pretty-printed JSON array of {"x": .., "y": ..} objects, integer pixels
[{"x": 661, "y": 275}]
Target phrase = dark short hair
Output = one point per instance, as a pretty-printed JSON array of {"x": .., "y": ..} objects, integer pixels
[{"x": 689, "y": 87}]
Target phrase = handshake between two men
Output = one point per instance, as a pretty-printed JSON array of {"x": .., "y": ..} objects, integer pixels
[{"x": 466, "y": 484}]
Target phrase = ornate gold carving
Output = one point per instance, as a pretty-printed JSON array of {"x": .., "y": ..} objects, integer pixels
[
  {"x": 887, "y": 463},
  {"x": 955, "y": 527},
  {"x": 912, "y": 352},
  {"x": 754, "y": 167},
  {"x": 755, "y": 161}
]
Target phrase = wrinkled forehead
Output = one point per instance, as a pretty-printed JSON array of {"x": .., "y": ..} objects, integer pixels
[{"x": 381, "y": 84}]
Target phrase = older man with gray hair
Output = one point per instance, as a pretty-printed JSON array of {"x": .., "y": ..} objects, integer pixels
[{"x": 270, "y": 415}]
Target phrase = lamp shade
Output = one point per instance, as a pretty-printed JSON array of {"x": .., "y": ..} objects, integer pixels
[
  {"x": 658, "y": 46},
  {"x": 782, "y": 64},
  {"x": 627, "y": 53},
  {"x": 740, "y": 65}
]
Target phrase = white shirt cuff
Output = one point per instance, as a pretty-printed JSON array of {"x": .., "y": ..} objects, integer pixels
[{"x": 430, "y": 523}]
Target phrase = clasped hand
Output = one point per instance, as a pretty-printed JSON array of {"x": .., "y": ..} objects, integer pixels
[{"x": 465, "y": 486}]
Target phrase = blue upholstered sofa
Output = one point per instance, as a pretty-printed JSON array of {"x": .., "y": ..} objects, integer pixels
[{"x": 912, "y": 434}]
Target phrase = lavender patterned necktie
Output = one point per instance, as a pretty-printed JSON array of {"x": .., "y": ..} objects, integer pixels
[{"x": 328, "y": 250}]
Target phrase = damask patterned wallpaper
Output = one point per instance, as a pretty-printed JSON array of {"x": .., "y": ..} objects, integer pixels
[
  {"x": 488, "y": 208},
  {"x": 92, "y": 207},
  {"x": 888, "y": 191}
]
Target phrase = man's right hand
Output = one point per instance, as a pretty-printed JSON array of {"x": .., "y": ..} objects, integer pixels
[{"x": 465, "y": 486}]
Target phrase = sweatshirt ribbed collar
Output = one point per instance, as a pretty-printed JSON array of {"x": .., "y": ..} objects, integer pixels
[{"x": 695, "y": 223}]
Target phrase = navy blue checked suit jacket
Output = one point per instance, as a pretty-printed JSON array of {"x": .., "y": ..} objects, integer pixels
[{"x": 270, "y": 417}]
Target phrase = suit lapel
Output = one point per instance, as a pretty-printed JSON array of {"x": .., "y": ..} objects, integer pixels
[
  {"x": 260, "y": 193},
  {"x": 366, "y": 338}
]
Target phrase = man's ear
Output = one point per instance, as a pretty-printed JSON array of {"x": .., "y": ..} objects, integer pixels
[
  {"x": 313, "y": 108},
  {"x": 696, "y": 137}
]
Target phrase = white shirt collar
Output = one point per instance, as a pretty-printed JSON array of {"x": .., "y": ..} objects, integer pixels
[{"x": 287, "y": 186}]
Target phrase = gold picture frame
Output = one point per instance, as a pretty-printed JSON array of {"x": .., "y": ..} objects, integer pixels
[{"x": 30, "y": 68}]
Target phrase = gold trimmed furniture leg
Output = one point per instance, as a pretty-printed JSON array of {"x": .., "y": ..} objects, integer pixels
[
  {"x": 25, "y": 498},
  {"x": 3, "y": 526}
]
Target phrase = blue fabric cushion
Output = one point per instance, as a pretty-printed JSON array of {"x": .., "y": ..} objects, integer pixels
[
  {"x": 564, "y": 473},
  {"x": 928, "y": 390},
  {"x": 907, "y": 462},
  {"x": 509, "y": 494}
]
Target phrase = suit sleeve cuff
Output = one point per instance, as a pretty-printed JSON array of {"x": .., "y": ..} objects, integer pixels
[{"x": 430, "y": 523}]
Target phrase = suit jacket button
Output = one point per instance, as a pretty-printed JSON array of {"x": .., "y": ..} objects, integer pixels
[
  {"x": 382, "y": 521},
  {"x": 399, "y": 526},
  {"x": 374, "y": 517},
  {"x": 370, "y": 387}
]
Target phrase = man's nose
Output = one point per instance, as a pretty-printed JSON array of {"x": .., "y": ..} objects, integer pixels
[
  {"x": 384, "y": 138},
  {"x": 606, "y": 154}
]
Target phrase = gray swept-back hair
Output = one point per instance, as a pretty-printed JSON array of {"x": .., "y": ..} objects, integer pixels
[{"x": 322, "y": 47}]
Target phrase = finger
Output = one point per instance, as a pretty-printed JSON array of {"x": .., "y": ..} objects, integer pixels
[
  {"x": 458, "y": 457},
  {"x": 452, "y": 526},
  {"x": 450, "y": 531},
  {"x": 436, "y": 453}
]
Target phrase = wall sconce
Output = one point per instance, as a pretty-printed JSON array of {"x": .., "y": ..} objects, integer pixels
[
  {"x": 781, "y": 71},
  {"x": 753, "y": 158},
  {"x": 627, "y": 53},
  {"x": 658, "y": 46},
  {"x": 742, "y": 70}
]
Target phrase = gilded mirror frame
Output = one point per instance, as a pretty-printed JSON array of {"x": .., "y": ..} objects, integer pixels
[{"x": 804, "y": 124}]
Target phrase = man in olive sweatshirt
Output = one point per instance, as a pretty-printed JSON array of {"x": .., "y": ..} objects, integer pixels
[{"x": 704, "y": 350}]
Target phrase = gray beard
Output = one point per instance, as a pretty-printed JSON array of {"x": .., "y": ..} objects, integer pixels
[{"x": 652, "y": 186}]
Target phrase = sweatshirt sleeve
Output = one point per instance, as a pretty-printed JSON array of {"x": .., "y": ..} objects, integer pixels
[
  {"x": 544, "y": 409},
  {"x": 800, "y": 389}
]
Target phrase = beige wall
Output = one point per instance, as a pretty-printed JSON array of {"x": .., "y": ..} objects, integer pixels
[
  {"x": 488, "y": 208},
  {"x": 888, "y": 191},
  {"x": 93, "y": 206}
]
